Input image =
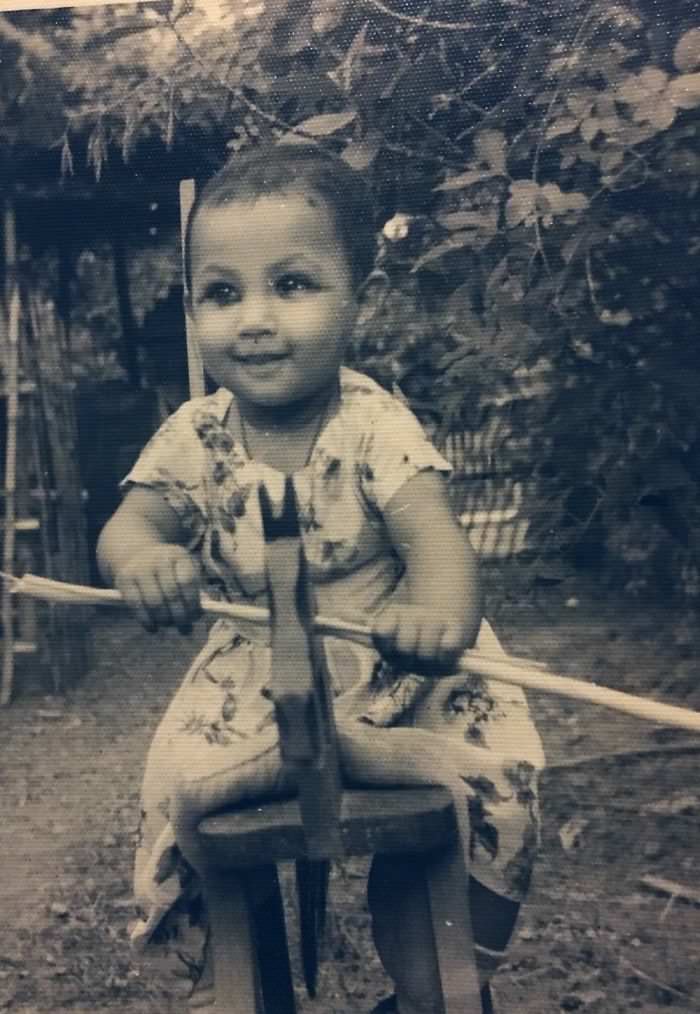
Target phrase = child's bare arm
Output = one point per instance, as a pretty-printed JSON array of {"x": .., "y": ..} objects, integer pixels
[
  {"x": 141, "y": 552},
  {"x": 444, "y": 611}
]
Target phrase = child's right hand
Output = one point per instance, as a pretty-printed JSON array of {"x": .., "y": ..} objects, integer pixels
[{"x": 162, "y": 586}]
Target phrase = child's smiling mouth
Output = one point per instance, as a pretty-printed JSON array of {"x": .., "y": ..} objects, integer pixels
[{"x": 260, "y": 358}]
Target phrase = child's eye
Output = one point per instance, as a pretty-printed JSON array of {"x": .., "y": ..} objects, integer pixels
[
  {"x": 221, "y": 293},
  {"x": 291, "y": 284}
]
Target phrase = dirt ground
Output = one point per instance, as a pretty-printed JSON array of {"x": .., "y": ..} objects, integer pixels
[{"x": 592, "y": 938}]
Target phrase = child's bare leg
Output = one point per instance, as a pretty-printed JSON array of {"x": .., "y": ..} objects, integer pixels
[
  {"x": 403, "y": 935},
  {"x": 402, "y": 930},
  {"x": 204, "y": 786},
  {"x": 198, "y": 792}
]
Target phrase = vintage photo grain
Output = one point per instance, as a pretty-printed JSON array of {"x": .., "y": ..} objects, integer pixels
[{"x": 349, "y": 501}]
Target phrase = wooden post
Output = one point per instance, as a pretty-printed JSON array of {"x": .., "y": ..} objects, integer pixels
[
  {"x": 194, "y": 360},
  {"x": 40, "y": 456},
  {"x": 11, "y": 316}
]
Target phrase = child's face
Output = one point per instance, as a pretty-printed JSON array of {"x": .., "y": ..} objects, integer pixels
[{"x": 272, "y": 297}]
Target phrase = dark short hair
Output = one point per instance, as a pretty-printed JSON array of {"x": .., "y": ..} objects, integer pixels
[{"x": 275, "y": 168}]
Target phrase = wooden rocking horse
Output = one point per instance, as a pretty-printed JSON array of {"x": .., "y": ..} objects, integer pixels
[{"x": 325, "y": 821}]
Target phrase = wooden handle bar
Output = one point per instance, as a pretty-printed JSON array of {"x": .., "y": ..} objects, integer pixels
[{"x": 517, "y": 671}]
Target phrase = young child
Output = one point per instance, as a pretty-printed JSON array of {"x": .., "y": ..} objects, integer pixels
[{"x": 279, "y": 257}]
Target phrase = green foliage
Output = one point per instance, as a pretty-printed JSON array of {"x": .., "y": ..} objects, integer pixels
[{"x": 538, "y": 164}]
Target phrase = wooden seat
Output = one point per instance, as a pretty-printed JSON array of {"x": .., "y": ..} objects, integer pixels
[
  {"x": 371, "y": 820},
  {"x": 243, "y": 847}
]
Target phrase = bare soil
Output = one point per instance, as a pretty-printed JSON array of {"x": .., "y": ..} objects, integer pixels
[{"x": 592, "y": 937}]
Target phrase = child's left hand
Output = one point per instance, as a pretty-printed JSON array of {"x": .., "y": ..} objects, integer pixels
[{"x": 420, "y": 640}]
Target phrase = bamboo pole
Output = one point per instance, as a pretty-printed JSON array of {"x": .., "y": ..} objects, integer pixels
[
  {"x": 12, "y": 383},
  {"x": 194, "y": 359},
  {"x": 39, "y": 450},
  {"x": 70, "y": 649},
  {"x": 519, "y": 672}
]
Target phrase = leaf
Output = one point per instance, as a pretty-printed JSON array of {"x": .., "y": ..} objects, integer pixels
[
  {"x": 466, "y": 179},
  {"x": 684, "y": 91},
  {"x": 657, "y": 111},
  {"x": 570, "y": 832},
  {"x": 565, "y": 125},
  {"x": 329, "y": 16},
  {"x": 66, "y": 158},
  {"x": 686, "y": 55},
  {"x": 490, "y": 146},
  {"x": 327, "y": 123},
  {"x": 361, "y": 154},
  {"x": 457, "y": 241},
  {"x": 621, "y": 318},
  {"x": 653, "y": 79},
  {"x": 590, "y": 128},
  {"x": 580, "y": 103},
  {"x": 611, "y": 159},
  {"x": 522, "y": 202},
  {"x": 560, "y": 202},
  {"x": 637, "y": 87},
  {"x": 467, "y": 220}
]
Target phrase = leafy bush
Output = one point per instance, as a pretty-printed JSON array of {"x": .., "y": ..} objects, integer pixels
[{"x": 536, "y": 170}]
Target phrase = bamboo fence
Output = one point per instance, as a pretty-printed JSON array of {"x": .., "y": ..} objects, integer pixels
[{"x": 11, "y": 327}]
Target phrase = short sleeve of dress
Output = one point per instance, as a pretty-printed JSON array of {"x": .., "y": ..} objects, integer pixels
[
  {"x": 173, "y": 462},
  {"x": 395, "y": 449}
]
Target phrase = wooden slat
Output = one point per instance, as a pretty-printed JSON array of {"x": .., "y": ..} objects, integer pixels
[
  {"x": 24, "y": 524},
  {"x": 21, "y": 647},
  {"x": 373, "y": 820},
  {"x": 23, "y": 387}
]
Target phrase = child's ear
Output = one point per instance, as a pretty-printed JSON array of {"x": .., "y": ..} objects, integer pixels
[{"x": 371, "y": 296}]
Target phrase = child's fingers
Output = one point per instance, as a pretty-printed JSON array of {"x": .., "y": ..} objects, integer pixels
[
  {"x": 427, "y": 644},
  {"x": 174, "y": 596},
  {"x": 187, "y": 574},
  {"x": 385, "y": 630},
  {"x": 187, "y": 604},
  {"x": 385, "y": 623},
  {"x": 408, "y": 636},
  {"x": 430, "y": 637},
  {"x": 452, "y": 643},
  {"x": 143, "y": 595}
]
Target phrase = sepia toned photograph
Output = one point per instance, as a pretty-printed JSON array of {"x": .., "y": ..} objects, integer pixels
[{"x": 349, "y": 507}]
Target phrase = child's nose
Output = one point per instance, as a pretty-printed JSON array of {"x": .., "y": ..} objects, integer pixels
[{"x": 257, "y": 317}]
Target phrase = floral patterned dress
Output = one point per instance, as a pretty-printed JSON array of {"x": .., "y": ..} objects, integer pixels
[{"x": 222, "y": 717}]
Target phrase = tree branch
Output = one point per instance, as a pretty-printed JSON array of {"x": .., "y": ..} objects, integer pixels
[
  {"x": 29, "y": 42},
  {"x": 448, "y": 26},
  {"x": 275, "y": 121}
]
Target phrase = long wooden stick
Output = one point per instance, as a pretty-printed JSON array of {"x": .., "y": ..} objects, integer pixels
[{"x": 506, "y": 669}]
